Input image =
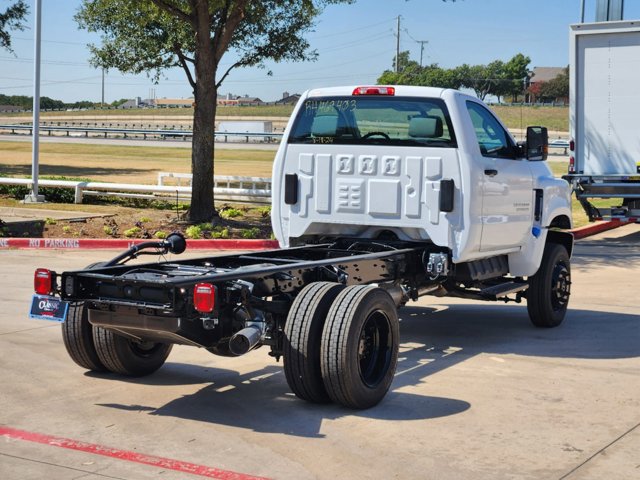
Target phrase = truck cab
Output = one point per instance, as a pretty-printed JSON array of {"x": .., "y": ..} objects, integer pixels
[{"x": 414, "y": 163}]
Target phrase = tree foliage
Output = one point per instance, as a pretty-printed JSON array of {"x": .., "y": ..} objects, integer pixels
[
  {"x": 12, "y": 19},
  {"x": 26, "y": 103},
  {"x": 154, "y": 35},
  {"x": 497, "y": 78}
]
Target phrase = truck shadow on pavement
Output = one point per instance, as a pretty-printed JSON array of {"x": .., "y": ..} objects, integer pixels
[{"x": 432, "y": 340}]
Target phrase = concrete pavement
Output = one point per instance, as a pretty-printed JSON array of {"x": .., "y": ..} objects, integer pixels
[{"x": 479, "y": 393}]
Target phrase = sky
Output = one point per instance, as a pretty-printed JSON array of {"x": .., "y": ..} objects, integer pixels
[{"x": 355, "y": 43}]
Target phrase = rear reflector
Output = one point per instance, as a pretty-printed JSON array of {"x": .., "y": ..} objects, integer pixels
[
  {"x": 204, "y": 297},
  {"x": 374, "y": 91},
  {"x": 42, "y": 281},
  {"x": 572, "y": 164}
]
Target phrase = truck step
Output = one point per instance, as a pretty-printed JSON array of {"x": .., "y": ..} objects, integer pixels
[{"x": 503, "y": 289}]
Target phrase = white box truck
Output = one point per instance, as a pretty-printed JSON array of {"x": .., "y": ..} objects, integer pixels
[{"x": 605, "y": 117}]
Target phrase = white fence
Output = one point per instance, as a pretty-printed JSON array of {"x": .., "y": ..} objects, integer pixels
[{"x": 236, "y": 189}]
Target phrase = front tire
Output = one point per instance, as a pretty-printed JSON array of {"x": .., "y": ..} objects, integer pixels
[
  {"x": 359, "y": 351},
  {"x": 302, "y": 336},
  {"x": 550, "y": 288},
  {"x": 127, "y": 357}
]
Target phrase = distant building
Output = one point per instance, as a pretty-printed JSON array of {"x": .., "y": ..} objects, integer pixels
[
  {"x": 230, "y": 100},
  {"x": 541, "y": 75},
  {"x": 174, "y": 102},
  {"x": 544, "y": 74},
  {"x": 288, "y": 99}
]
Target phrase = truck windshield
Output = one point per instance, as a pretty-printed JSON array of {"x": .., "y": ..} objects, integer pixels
[{"x": 358, "y": 120}]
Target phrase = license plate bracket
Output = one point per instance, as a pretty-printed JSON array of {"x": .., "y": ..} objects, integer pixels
[{"x": 46, "y": 307}]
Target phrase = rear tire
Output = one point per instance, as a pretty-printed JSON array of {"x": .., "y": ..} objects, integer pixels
[
  {"x": 77, "y": 334},
  {"x": 550, "y": 288},
  {"x": 359, "y": 350},
  {"x": 127, "y": 357},
  {"x": 302, "y": 337}
]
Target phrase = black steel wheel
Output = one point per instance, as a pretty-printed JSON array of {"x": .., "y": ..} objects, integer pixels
[
  {"x": 550, "y": 288},
  {"x": 128, "y": 357},
  {"x": 77, "y": 334},
  {"x": 302, "y": 337},
  {"x": 359, "y": 351}
]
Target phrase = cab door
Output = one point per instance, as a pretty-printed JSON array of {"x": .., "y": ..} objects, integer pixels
[{"x": 507, "y": 183}]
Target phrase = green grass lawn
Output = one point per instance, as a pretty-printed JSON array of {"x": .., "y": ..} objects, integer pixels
[{"x": 124, "y": 164}]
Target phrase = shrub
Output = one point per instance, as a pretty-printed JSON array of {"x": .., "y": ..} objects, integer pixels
[
  {"x": 220, "y": 233},
  {"x": 230, "y": 213},
  {"x": 160, "y": 235},
  {"x": 66, "y": 229},
  {"x": 50, "y": 221},
  {"x": 132, "y": 232},
  {"x": 250, "y": 232},
  {"x": 193, "y": 232},
  {"x": 107, "y": 230},
  {"x": 145, "y": 220},
  {"x": 205, "y": 227},
  {"x": 264, "y": 211}
]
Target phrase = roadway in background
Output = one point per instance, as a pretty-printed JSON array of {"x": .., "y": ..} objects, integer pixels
[
  {"x": 140, "y": 143},
  {"x": 479, "y": 393}
]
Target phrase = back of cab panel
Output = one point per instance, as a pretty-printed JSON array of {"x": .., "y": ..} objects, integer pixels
[{"x": 357, "y": 164}]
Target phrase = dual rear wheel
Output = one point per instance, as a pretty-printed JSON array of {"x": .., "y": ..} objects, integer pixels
[
  {"x": 101, "y": 350},
  {"x": 341, "y": 344}
]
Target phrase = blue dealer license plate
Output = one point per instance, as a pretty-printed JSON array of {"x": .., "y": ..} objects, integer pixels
[{"x": 44, "y": 307}]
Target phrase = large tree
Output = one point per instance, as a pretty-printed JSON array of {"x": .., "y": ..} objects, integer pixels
[
  {"x": 11, "y": 19},
  {"x": 154, "y": 35}
]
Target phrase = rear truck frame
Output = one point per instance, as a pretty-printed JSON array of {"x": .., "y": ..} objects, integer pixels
[{"x": 330, "y": 309}]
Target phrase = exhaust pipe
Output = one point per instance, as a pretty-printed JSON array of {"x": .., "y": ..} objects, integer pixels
[{"x": 245, "y": 340}]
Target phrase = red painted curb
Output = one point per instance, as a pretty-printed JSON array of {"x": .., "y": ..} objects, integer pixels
[
  {"x": 135, "y": 457},
  {"x": 100, "y": 243},
  {"x": 597, "y": 227},
  {"x": 218, "y": 244}
]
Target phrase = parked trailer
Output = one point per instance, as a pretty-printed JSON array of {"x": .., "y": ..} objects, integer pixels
[{"x": 604, "y": 105}]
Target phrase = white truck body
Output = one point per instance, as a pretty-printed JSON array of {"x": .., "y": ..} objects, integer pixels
[
  {"x": 604, "y": 106},
  {"x": 359, "y": 189}
]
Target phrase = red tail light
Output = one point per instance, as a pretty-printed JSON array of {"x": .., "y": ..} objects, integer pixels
[
  {"x": 42, "y": 281},
  {"x": 572, "y": 145},
  {"x": 374, "y": 91},
  {"x": 572, "y": 164},
  {"x": 204, "y": 297}
]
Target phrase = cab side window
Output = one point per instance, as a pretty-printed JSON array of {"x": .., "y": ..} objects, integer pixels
[{"x": 492, "y": 138}]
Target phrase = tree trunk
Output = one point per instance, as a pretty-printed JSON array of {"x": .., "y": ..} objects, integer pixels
[
  {"x": 202, "y": 201},
  {"x": 202, "y": 155}
]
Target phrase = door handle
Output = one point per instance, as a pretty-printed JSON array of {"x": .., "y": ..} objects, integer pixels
[{"x": 491, "y": 172}]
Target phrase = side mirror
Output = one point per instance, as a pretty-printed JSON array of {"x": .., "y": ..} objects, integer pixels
[{"x": 537, "y": 147}]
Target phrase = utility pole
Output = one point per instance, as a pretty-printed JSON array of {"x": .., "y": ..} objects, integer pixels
[
  {"x": 398, "y": 47},
  {"x": 102, "y": 102},
  {"x": 33, "y": 196},
  {"x": 422, "y": 43}
]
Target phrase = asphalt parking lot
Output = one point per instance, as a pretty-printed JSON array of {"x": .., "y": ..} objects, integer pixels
[{"x": 479, "y": 394}]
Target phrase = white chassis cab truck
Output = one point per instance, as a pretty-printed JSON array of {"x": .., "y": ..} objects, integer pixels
[
  {"x": 604, "y": 106},
  {"x": 381, "y": 195}
]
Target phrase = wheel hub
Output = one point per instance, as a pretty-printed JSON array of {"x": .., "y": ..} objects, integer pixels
[
  {"x": 374, "y": 348},
  {"x": 561, "y": 286}
]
